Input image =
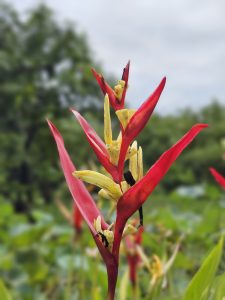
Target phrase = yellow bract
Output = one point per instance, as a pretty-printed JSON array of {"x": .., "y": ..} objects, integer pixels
[
  {"x": 125, "y": 186},
  {"x": 107, "y": 233},
  {"x": 107, "y": 121},
  {"x": 118, "y": 89},
  {"x": 104, "y": 194},
  {"x": 140, "y": 163},
  {"x": 154, "y": 265},
  {"x": 133, "y": 166},
  {"x": 100, "y": 180},
  {"x": 114, "y": 151},
  {"x": 136, "y": 162},
  {"x": 156, "y": 268},
  {"x": 124, "y": 115},
  {"x": 129, "y": 229},
  {"x": 113, "y": 146},
  {"x": 97, "y": 224}
]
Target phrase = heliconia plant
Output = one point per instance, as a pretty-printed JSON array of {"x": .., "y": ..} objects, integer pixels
[{"x": 128, "y": 190}]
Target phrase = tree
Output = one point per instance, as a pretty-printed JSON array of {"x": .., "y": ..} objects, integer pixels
[{"x": 44, "y": 68}]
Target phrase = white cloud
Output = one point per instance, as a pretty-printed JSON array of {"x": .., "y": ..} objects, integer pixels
[{"x": 183, "y": 39}]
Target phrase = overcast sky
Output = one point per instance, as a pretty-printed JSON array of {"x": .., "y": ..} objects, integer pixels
[{"x": 182, "y": 39}]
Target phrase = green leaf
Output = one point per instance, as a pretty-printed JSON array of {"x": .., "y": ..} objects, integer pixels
[
  {"x": 4, "y": 294},
  {"x": 218, "y": 289},
  {"x": 203, "y": 279}
]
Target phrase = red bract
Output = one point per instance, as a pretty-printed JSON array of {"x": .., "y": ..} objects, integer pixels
[
  {"x": 219, "y": 178},
  {"x": 81, "y": 196},
  {"x": 106, "y": 89},
  {"x": 97, "y": 145},
  {"x": 125, "y": 77},
  {"x": 137, "y": 123},
  {"x": 131, "y": 200},
  {"x": 87, "y": 207}
]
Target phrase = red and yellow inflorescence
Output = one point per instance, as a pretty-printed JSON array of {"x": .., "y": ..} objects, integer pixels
[{"x": 127, "y": 190}]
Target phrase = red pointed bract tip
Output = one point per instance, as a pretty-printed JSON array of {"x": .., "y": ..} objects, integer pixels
[
  {"x": 106, "y": 89},
  {"x": 218, "y": 177},
  {"x": 97, "y": 145},
  {"x": 126, "y": 70},
  {"x": 138, "y": 194},
  {"x": 125, "y": 77},
  {"x": 81, "y": 196},
  {"x": 138, "y": 122}
]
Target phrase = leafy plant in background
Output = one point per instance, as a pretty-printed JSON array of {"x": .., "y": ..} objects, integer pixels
[
  {"x": 127, "y": 189},
  {"x": 205, "y": 285},
  {"x": 4, "y": 294}
]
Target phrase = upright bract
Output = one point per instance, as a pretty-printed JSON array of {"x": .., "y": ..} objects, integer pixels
[
  {"x": 138, "y": 122},
  {"x": 126, "y": 191}
]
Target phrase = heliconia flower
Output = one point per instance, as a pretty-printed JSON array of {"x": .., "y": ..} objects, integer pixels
[
  {"x": 132, "y": 122},
  {"x": 128, "y": 200},
  {"x": 116, "y": 95},
  {"x": 219, "y": 178},
  {"x": 127, "y": 191}
]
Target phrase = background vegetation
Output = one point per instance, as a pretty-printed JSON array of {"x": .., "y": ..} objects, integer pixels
[{"x": 45, "y": 69}]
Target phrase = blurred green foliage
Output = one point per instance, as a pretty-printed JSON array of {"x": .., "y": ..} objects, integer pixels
[
  {"x": 47, "y": 260},
  {"x": 44, "y": 69}
]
